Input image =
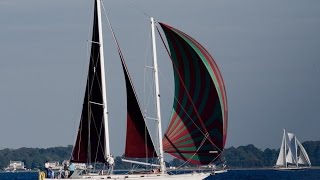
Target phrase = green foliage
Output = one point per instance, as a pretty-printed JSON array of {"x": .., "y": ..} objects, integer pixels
[
  {"x": 34, "y": 157},
  {"x": 250, "y": 156},
  {"x": 241, "y": 157}
]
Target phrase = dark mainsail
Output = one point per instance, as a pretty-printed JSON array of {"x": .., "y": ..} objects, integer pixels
[
  {"x": 198, "y": 126},
  {"x": 90, "y": 142}
]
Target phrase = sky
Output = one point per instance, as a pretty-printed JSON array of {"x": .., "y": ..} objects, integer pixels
[{"x": 268, "y": 53}]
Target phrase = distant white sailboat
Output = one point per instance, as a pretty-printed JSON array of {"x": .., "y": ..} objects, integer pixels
[{"x": 292, "y": 155}]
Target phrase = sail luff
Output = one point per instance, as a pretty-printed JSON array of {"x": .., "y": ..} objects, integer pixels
[
  {"x": 296, "y": 150},
  {"x": 290, "y": 157},
  {"x": 103, "y": 82},
  {"x": 292, "y": 153},
  {"x": 281, "y": 161},
  {"x": 303, "y": 155},
  {"x": 90, "y": 144},
  {"x": 138, "y": 139}
]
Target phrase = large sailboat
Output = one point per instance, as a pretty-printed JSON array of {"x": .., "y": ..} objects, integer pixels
[
  {"x": 292, "y": 155},
  {"x": 198, "y": 127}
]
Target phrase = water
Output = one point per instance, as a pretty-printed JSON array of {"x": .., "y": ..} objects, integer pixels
[
  {"x": 309, "y": 174},
  {"x": 268, "y": 174},
  {"x": 19, "y": 176}
]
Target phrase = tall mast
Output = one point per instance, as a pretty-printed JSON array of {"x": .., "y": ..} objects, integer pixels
[
  {"x": 285, "y": 146},
  {"x": 103, "y": 81},
  {"x": 296, "y": 149},
  {"x": 157, "y": 93}
]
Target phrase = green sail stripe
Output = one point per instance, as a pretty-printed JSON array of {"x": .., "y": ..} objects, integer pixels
[
  {"x": 204, "y": 60},
  {"x": 205, "y": 97},
  {"x": 188, "y": 156},
  {"x": 176, "y": 123},
  {"x": 198, "y": 82},
  {"x": 206, "y": 93},
  {"x": 177, "y": 132},
  {"x": 188, "y": 149}
]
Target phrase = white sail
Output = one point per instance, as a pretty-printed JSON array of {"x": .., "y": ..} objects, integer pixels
[
  {"x": 289, "y": 157},
  {"x": 303, "y": 156},
  {"x": 282, "y": 155},
  {"x": 292, "y": 146}
]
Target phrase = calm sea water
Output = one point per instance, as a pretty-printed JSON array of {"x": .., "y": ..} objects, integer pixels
[
  {"x": 309, "y": 174},
  {"x": 268, "y": 174},
  {"x": 19, "y": 176}
]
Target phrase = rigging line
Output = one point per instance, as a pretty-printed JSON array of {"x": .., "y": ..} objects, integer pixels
[
  {"x": 84, "y": 69},
  {"x": 150, "y": 83},
  {"x": 218, "y": 156},
  {"x": 95, "y": 77},
  {"x": 201, "y": 144},
  {"x": 120, "y": 53},
  {"x": 187, "y": 114},
  {"x": 145, "y": 78},
  {"x": 100, "y": 143},
  {"x": 151, "y": 94},
  {"x": 94, "y": 63},
  {"x": 122, "y": 60},
  {"x": 79, "y": 142},
  {"x": 179, "y": 77},
  {"x": 139, "y": 9},
  {"x": 89, "y": 105},
  {"x": 218, "y": 75},
  {"x": 189, "y": 97},
  {"x": 146, "y": 146},
  {"x": 98, "y": 134}
]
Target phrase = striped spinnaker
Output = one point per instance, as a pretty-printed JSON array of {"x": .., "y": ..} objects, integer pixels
[{"x": 198, "y": 127}]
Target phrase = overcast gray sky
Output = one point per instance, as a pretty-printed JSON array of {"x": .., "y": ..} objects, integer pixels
[{"x": 268, "y": 53}]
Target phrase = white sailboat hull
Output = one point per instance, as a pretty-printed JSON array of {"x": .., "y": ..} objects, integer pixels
[
  {"x": 191, "y": 176},
  {"x": 290, "y": 168},
  {"x": 187, "y": 176}
]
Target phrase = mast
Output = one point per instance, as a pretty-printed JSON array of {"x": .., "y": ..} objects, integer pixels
[
  {"x": 285, "y": 146},
  {"x": 296, "y": 149},
  {"x": 103, "y": 82},
  {"x": 157, "y": 93}
]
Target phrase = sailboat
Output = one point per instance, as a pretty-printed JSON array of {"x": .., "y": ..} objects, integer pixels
[
  {"x": 292, "y": 155},
  {"x": 198, "y": 127}
]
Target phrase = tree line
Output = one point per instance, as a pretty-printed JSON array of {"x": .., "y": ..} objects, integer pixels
[
  {"x": 251, "y": 157},
  {"x": 247, "y": 156}
]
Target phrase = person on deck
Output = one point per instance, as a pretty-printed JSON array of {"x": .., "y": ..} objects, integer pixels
[
  {"x": 110, "y": 162},
  {"x": 46, "y": 168},
  {"x": 65, "y": 169},
  {"x": 71, "y": 169}
]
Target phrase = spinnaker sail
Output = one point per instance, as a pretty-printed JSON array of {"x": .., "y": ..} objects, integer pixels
[{"x": 198, "y": 127}]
